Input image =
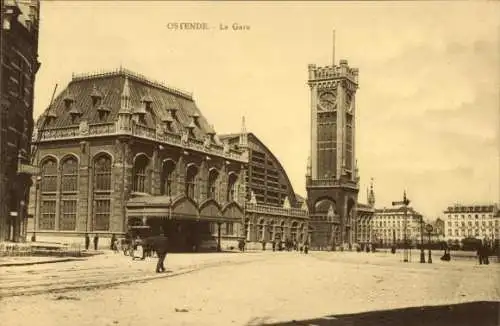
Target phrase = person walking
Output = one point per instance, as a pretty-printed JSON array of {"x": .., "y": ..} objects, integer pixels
[
  {"x": 96, "y": 241},
  {"x": 112, "y": 242},
  {"x": 87, "y": 241},
  {"x": 159, "y": 244}
]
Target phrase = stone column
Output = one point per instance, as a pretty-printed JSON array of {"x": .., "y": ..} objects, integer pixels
[{"x": 219, "y": 236}]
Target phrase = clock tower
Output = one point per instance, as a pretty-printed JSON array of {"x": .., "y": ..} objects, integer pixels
[{"x": 332, "y": 180}]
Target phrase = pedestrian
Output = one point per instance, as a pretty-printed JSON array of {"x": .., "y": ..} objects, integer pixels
[
  {"x": 113, "y": 240},
  {"x": 480, "y": 253},
  {"x": 159, "y": 244},
  {"x": 306, "y": 247},
  {"x": 33, "y": 238},
  {"x": 87, "y": 241},
  {"x": 96, "y": 241}
]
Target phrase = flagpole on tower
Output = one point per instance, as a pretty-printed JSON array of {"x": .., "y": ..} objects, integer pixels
[{"x": 333, "y": 48}]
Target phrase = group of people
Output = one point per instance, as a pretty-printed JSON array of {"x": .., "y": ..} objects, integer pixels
[
  {"x": 483, "y": 252},
  {"x": 87, "y": 242},
  {"x": 280, "y": 245}
]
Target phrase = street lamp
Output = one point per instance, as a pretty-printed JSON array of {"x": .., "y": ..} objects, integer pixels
[
  {"x": 429, "y": 229},
  {"x": 422, "y": 251}
]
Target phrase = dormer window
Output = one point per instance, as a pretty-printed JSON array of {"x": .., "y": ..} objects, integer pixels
[
  {"x": 147, "y": 100},
  {"x": 75, "y": 114},
  {"x": 96, "y": 96},
  {"x": 173, "y": 112},
  {"x": 191, "y": 127},
  {"x": 69, "y": 99},
  {"x": 195, "y": 116},
  {"x": 167, "y": 121},
  {"x": 51, "y": 115},
  {"x": 103, "y": 112}
]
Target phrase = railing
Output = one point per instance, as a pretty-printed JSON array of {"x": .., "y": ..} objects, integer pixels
[
  {"x": 99, "y": 129},
  {"x": 106, "y": 129},
  {"x": 67, "y": 132},
  {"x": 329, "y": 182},
  {"x": 296, "y": 212}
]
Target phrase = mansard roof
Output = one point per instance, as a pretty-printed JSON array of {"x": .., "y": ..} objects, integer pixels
[{"x": 110, "y": 85}]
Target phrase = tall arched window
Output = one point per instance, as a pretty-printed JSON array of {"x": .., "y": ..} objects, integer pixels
[
  {"x": 102, "y": 192},
  {"x": 140, "y": 174},
  {"x": 231, "y": 187},
  {"x": 102, "y": 173},
  {"x": 212, "y": 182},
  {"x": 48, "y": 189},
  {"x": 191, "y": 173},
  {"x": 167, "y": 178},
  {"x": 270, "y": 229},
  {"x": 261, "y": 230},
  {"x": 49, "y": 175},
  {"x": 69, "y": 185},
  {"x": 69, "y": 177}
]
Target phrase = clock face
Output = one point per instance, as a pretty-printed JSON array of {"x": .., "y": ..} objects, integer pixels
[{"x": 328, "y": 100}]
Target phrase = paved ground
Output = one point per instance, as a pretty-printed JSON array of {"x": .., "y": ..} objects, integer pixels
[{"x": 256, "y": 289}]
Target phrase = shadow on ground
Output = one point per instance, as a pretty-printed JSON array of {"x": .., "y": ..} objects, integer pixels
[{"x": 480, "y": 313}]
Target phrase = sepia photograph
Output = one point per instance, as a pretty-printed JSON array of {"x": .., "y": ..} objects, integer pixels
[{"x": 270, "y": 163}]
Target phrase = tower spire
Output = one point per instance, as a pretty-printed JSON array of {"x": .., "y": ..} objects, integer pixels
[
  {"x": 243, "y": 134},
  {"x": 371, "y": 194},
  {"x": 125, "y": 97}
]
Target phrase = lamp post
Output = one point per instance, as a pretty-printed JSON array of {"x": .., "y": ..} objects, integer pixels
[
  {"x": 422, "y": 251},
  {"x": 405, "y": 202},
  {"x": 429, "y": 229}
]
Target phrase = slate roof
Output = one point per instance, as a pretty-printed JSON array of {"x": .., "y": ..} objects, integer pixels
[{"x": 111, "y": 85}]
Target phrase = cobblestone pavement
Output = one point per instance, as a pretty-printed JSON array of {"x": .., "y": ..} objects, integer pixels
[
  {"x": 105, "y": 270},
  {"x": 267, "y": 289}
]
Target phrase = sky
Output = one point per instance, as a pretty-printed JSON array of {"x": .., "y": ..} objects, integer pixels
[{"x": 427, "y": 115}]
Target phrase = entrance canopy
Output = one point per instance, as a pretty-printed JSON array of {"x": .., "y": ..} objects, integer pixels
[{"x": 182, "y": 207}]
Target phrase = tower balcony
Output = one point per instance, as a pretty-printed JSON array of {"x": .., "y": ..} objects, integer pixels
[{"x": 330, "y": 182}]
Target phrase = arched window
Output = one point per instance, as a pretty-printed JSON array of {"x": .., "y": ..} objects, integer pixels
[
  {"x": 140, "y": 174},
  {"x": 49, "y": 175},
  {"x": 48, "y": 188},
  {"x": 69, "y": 185},
  {"x": 282, "y": 230},
  {"x": 102, "y": 173},
  {"x": 102, "y": 193},
  {"x": 212, "y": 181},
  {"x": 270, "y": 229},
  {"x": 69, "y": 177},
  {"x": 167, "y": 178},
  {"x": 191, "y": 173},
  {"x": 261, "y": 230},
  {"x": 231, "y": 187}
]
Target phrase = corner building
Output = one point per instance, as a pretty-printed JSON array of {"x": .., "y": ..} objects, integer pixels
[
  {"x": 18, "y": 67},
  {"x": 332, "y": 180},
  {"x": 117, "y": 149}
]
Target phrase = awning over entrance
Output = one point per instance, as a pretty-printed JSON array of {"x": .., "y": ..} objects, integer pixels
[{"x": 182, "y": 207}]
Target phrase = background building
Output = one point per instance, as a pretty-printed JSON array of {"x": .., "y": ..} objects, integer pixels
[
  {"x": 471, "y": 221},
  {"x": 18, "y": 67},
  {"x": 364, "y": 221},
  {"x": 389, "y": 225},
  {"x": 273, "y": 212},
  {"x": 117, "y": 149},
  {"x": 332, "y": 180}
]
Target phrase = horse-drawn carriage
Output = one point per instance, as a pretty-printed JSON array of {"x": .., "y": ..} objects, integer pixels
[{"x": 134, "y": 239}]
